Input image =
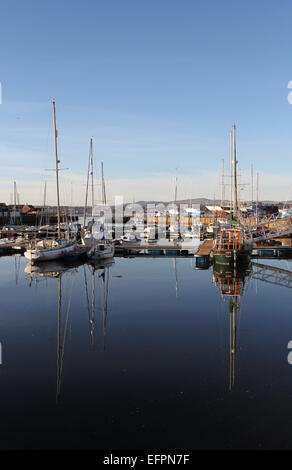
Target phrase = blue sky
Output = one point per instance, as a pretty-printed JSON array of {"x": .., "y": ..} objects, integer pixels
[{"x": 158, "y": 85}]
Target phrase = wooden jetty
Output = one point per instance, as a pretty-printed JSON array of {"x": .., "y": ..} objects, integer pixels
[
  {"x": 205, "y": 248},
  {"x": 163, "y": 247},
  {"x": 203, "y": 254}
]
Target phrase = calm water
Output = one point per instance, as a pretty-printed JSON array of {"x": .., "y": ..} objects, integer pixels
[{"x": 138, "y": 355}]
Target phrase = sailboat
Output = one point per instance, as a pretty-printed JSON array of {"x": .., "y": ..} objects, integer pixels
[
  {"x": 104, "y": 248},
  {"x": 51, "y": 249},
  {"x": 174, "y": 227},
  {"x": 96, "y": 238}
]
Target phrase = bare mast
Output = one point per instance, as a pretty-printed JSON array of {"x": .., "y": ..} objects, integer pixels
[
  {"x": 92, "y": 177},
  {"x": 231, "y": 174},
  {"x": 44, "y": 204},
  {"x": 175, "y": 186},
  {"x": 223, "y": 185},
  {"x": 235, "y": 200},
  {"x": 15, "y": 195},
  {"x": 257, "y": 203},
  {"x": 251, "y": 174},
  {"x": 89, "y": 173},
  {"x": 103, "y": 194},
  {"x": 57, "y": 170}
]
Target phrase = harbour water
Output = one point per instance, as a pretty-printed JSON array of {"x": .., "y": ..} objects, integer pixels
[{"x": 144, "y": 353}]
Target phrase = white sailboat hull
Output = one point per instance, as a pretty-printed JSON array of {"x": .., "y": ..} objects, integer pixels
[{"x": 48, "y": 254}]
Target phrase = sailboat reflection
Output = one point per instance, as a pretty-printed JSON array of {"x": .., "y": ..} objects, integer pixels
[
  {"x": 176, "y": 276},
  {"x": 17, "y": 259},
  {"x": 57, "y": 270},
  {"x": 49, "y": 269},
  {"x": 99, "y": 271},
  {"x": 231, "y": 285}
]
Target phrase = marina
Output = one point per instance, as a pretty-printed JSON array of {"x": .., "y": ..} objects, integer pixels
[
  {"x": 168, "y": 312},
  {"x": 145, "y": 231}
]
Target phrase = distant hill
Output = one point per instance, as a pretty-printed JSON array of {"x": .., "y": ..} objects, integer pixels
[{"x": 206, "y": 201}]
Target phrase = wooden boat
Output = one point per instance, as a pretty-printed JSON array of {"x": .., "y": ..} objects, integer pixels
[{"x": 230, "y": 249}]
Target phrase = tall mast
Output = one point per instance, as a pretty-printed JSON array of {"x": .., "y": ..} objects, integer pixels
[
  {"x": 175, "y": 186},
  {"x": 223, "y": 185},
  {"x": 103, "y": 195},
  {"x": 71, "y": 211},
  {"x": 214, "y": 209},
  {"x": 257, "y": 204},
  {"x": 15, "y": 192},
  {"x": 45, "y": 194},
  {"x": 251, "y": 174},
  {"x": 239, "y": 187},
  {"x": 191, "y": 193},
  {"x": 231, "y": 174},
  {"x": 86, "y": 194},
  {"x": 44, "y": 204},
  {"x": 57, "y": 170},
  {"x": 89, "y": 173},
  {"x": 235, "y": 207},
  {"x": 92, "y": 177}
]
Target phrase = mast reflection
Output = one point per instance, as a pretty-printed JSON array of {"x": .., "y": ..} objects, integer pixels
[
  {"x": 57, "y": 270},
  {"x": 231, "y": 285}
]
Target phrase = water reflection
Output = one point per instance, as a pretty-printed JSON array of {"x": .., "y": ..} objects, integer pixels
[
  {"x": 231, "y": 286},
  {"x": 272, "y": 275},
  {"x": 99, "y": 272},
  {"x": 169, "y": 362},
  {"x": 58, "y": 269},
  {"x": 230, "y": 283}
]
